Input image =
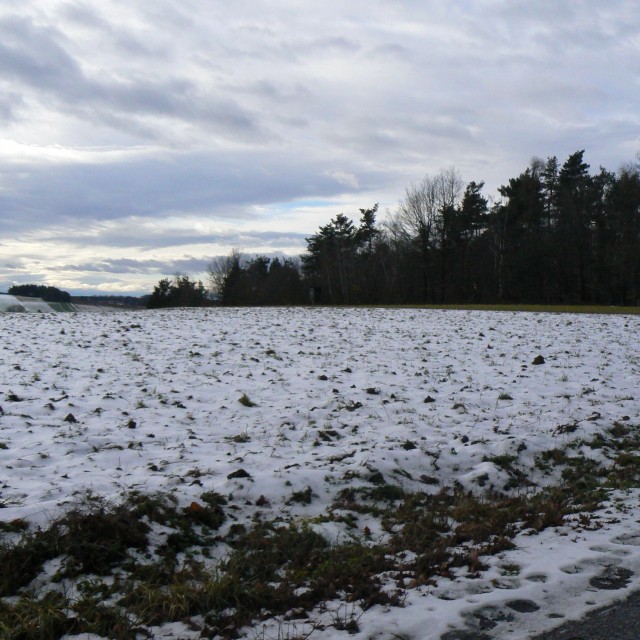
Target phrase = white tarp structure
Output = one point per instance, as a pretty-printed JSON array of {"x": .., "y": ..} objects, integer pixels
[
  {"x": 10, "y": 303},
  {"x": 35, "y": 304}
]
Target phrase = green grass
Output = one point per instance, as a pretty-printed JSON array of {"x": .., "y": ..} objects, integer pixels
[{"x": 530, "y": 308}]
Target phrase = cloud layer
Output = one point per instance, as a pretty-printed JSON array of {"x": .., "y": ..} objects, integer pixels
[{"x": 140, "y": 135}]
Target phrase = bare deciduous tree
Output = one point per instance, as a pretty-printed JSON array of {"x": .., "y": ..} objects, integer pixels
[
  {"x": 419, "y": 217},
  {"x": 221, "y": 268}
]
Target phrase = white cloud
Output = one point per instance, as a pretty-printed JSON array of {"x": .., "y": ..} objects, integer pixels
[{"x": 344, "y": 178}]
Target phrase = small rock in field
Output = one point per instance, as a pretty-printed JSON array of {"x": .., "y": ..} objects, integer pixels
[
  {"x": 71, "y": 419},
  {"x": 429, "y": 399},
  {"x": 538, "y": 360},
  {"x": 240, "y": 473}
]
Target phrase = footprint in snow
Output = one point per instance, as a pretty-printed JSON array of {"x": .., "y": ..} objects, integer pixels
[
  {"x": 506, "y": 583},
  {"x": 523, "y": 606},
  {"x": 612, "y": 578},
  {"x": 537, "y": 577},
  {"x": 463, "y": 634},
  {"x": 488, "y": 617},
  {"x": 631, "y": 539}
]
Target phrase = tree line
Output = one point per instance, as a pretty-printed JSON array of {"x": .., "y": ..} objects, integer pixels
[
  {"x": 555, "y": 234},
  {"x": 46, "y": 293},
  {"x": 181, "y": 291}
]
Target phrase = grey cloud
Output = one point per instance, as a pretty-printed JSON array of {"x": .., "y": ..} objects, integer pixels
[
  {"x": 90, "y": 18},
  {"x": 11, "y": 103},
  {"x": 17, "y": 265},
  {"x": 33, "y": 56},
  {"x": 123, "y": 266},
  {"x": 173, "y": 98},
  {"x": 333, "y": 45},
  {"x": 146, "y": 237},
  {"x": 81, "y": 13},
  {"x": 140, "y": 267},
  {"x": 392, "y": 51},
  {"x": 287, "y": 47},
  {"x": 222, "y": 184},
  {"x": 273, "y": 90}
]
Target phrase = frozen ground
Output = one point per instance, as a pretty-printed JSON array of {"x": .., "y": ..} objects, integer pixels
[{"x": 150, "y": 402}]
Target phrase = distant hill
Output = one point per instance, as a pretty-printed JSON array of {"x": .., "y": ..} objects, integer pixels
[{"x": 128, "y": 302}]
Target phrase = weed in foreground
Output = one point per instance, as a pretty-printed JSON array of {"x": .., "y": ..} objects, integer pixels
[
  {"x": 22, "y": 561},
  {"x": 246, "y": 401},
  {"x": 271, "y": 568},
  {"x": 96, "y": 540},
  {"x": 36, "y": 619}
]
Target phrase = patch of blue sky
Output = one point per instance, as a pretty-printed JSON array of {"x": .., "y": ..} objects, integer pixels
[{"x": 303, "y": 204}]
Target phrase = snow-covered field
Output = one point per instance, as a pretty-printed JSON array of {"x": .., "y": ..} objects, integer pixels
[{"x": 150, "y": 401}]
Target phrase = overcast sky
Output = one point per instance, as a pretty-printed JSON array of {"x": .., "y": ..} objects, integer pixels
[{"x": 141, "y": 138}]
